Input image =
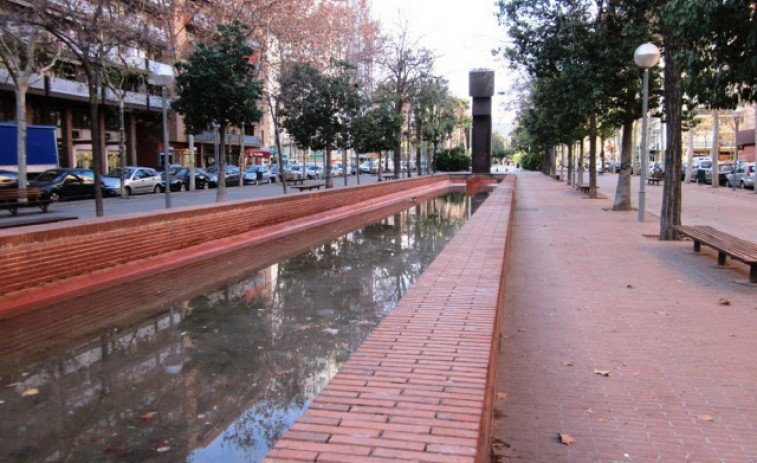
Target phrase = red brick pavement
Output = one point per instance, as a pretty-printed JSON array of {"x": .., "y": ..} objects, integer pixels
[
  {"x": 586, "y": 291},
  {"x": 419, "y": 387}
]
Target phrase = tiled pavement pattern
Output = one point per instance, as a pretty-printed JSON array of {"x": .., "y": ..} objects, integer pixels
[
  {"x": 416, "y": 389},
  {"x": 586, "y": 291}
]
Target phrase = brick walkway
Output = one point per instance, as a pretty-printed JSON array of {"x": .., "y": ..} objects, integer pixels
[
  {"x": 416, "y": 389},
  {"x": 586, "y": 291}
]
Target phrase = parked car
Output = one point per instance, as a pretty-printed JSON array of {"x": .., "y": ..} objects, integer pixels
[
  {"x": 365, "y": 167},
  {"x": 136, "y": 180},
  {"x": 314, "y": 171},
  {"x": 202, "y": 179},
  {"x": 744, "y": 177},
  {"x": 336, "y": 169},
  {"x": 8, "y": 179},
  {"x": 60, "y": 184},
  {"x": 724, "y": 168},
  {"x": 177, "y": 184},
  {"x": 257, "y": 174},
  {"x": 700, "y": 165},
  {"x": 232, "y": 177}
]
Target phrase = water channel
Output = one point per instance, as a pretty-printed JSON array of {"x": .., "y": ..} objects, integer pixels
[{"x": 210, "y": 363}]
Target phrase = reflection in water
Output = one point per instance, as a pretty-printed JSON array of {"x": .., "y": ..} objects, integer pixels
[{"x": 217, "y": 367}]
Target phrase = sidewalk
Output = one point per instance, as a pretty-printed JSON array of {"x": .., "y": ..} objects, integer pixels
[{"x": 588, "y": 291}]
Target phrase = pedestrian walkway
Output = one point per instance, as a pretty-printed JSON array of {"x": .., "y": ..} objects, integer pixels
[{"x": 635, "y": 350}]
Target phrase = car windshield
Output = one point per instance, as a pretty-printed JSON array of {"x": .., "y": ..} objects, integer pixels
[
  {"x": 117, "y": 172},
  {"x": 50, "y": 175}
]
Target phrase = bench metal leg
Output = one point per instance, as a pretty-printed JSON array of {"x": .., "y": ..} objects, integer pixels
[
  {"x": 753, "y": 273},
  {"x": 697, "y": 246},
  {"x": 721, "y": 258}
]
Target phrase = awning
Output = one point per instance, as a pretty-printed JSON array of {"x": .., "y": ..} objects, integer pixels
[{"x": 258, "y": 153}]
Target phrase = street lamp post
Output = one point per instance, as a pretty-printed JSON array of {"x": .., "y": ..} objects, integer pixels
[
  {"x": 645, "y": 56},
  {"x": 164, "y": 77}
]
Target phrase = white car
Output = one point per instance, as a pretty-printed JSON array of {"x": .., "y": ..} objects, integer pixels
[
  {"x": 136, "y": 180},
  {"x": 336, "y": 169}
]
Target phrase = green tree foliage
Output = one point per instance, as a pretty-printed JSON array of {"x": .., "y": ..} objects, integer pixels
[
  {"x": 453, "y": 160},
  {"x": 718, "y": 52},
  {"x": 217, "y": 84},
  {"x": 375, "y": 129},
  {"x": 320, "y": 108}
]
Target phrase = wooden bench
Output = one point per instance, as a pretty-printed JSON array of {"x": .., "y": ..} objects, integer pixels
[
  {"x": 316, "y": 186},
  {"x": 725, "y": 244},
  {"x": 295, "y": 181},
  {"x": 12, "y": 199},
  {"x": 654, "y": 180},
  {"x": 387, "y": 176},
  {"x": 556, "y": 177},
  {"x": 586, "y": 188}
]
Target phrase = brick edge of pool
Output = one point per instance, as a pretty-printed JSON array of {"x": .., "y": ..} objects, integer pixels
[{"x": 421, "y": 387}]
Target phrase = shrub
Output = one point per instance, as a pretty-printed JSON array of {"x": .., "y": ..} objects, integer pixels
[{"x": 453, "y": 160}]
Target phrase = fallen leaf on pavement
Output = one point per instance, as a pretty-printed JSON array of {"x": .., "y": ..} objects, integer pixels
[
  {"x": 604, "y": 373},
  {"x": 566, "y": 439},
  {"x": 568, "y": 364},
  {"x": 705, "y": 418},
  {"x": 147, "y": 416},
  {"x": 29, "y": 392},
  {"x": 116, "y": 450},
  {"x": 501, "y": 395},
  {"x": 724, "y": 301},
  {"x": 162, "y": 447},
  {"x": 662, "y": 312},
  {"x": 629, "y": 286}
]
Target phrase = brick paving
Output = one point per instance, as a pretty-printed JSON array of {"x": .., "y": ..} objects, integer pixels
[
  {"x": 417, "y": 389},
  {"x": 589, "y": 289}
]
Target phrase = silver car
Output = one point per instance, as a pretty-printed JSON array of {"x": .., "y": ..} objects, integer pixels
[
  {"x": 744, "y": 176},
  {"x": 136, "y": 180}
]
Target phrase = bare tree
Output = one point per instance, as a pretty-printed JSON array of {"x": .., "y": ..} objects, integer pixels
[
  {"x": 22, "y": 52},
  {"x": 93, "y": 31},
  {"x": 405, "y": 64}
]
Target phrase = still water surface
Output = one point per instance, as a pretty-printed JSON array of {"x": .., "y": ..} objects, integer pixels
[{"x": 210, "y": 363}]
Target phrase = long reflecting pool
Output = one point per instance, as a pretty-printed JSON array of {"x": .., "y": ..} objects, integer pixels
[{"x": 214, "y": 361}]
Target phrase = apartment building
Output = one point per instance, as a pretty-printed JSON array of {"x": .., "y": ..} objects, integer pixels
[{"x": 60, "y": 97}]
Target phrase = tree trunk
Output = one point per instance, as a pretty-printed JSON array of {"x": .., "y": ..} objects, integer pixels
[
  {"x": 221, "y": 193},
  {"x": 690, "y": 157},
  {"x": 243, "y": 158},
  {"x": 418, "y": 132},
  {"x": 715, "y": 147},
  {"x": 21, "y": 86},
  {"x": 329, "y": 177},
  {"x": 378, "y": 172},
  {"x": 569, "y": 177},
  {"x": 398, "y": 141},
  {"x": 670, "y": 213},
  {"x": 344, "y": 165},
  {"x": 592, "y": 155},
  {"x": 277, "y": 137},
  {"x": 94, "y": 125},
  {"x": 623, "y": 190},
  {"x": 580, "y": 163},
  {"x": 121, "y": 143}
]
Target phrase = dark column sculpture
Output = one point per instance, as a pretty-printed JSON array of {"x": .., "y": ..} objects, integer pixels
[{"x": 481, "y": 89}]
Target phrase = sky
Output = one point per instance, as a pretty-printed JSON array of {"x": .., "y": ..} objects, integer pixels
[{"x": 462, "y": 34}]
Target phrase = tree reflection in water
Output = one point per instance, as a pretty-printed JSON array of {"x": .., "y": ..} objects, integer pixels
[{"x": 222, "y": 375}]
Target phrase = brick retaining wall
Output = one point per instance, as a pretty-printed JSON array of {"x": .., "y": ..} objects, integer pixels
[{"x": 48, "y": 253}]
